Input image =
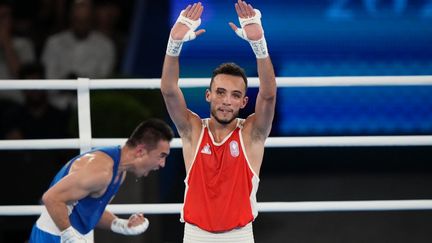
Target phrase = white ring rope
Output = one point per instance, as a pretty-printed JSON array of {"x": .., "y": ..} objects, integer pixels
[
  {"x": 383, "y": 205},
  {"x": 204, "y": 82},
  {"x": 271, "y": 142},
  {"x": 318, "y": 206}
]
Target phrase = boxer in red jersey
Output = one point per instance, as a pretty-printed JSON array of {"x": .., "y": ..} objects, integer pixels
[{"x": 222, "y": 154}]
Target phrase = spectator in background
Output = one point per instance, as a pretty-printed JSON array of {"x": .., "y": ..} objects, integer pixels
[
  {"x": 80, "y": 50},
  {"x": 39, "y": 19},
  {"x": 39, "y": 118},
  {"x": 14, "y": 51},
  {"x": 107, "y": 18}
]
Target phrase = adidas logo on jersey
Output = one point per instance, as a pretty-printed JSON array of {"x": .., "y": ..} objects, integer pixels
[{"x": 206, "y": 149}]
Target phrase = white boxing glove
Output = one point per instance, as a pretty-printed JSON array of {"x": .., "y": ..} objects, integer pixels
[
  {"x": 120, "y": 226},
  {"x": 174, "y": 46},
  {"x": 70, "y": 235},
  {"x": 259, "y": 47}
]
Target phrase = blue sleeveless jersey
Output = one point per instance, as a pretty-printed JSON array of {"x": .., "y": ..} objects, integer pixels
[{"x": 87, "y": 212}]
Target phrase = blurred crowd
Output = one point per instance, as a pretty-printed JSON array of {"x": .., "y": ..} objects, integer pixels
[
  {"x": 55, "y": 39},
  {"x": 49, "y": 39}
]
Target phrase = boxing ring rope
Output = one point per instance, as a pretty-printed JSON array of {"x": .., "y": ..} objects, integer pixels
[
  {"x": 272, "y": 142},
  {"x": 204, "y": 82},
  {"x": 85, "y": 140},
  {"x": 316, "y": 206}
]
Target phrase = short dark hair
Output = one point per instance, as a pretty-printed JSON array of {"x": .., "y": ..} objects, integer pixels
[
  {"x": 150, "y": 132},
  {"x": 229, "y": 68}
]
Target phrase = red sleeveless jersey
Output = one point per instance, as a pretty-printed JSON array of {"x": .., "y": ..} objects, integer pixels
[{"x": 221, "y": 185}]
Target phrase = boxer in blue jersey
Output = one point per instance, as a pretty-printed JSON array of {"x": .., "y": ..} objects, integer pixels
[{"x": 76, "y": 200}]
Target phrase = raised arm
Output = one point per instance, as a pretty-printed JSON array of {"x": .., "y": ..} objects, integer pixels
[
  {"x": 182, "y": 31},
  {"x": 266, "y": 98},
  {"x": 251, "y": 30}
]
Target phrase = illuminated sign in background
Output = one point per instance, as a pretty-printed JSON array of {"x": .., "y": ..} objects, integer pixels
[{"x": 328, "y": 38}]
